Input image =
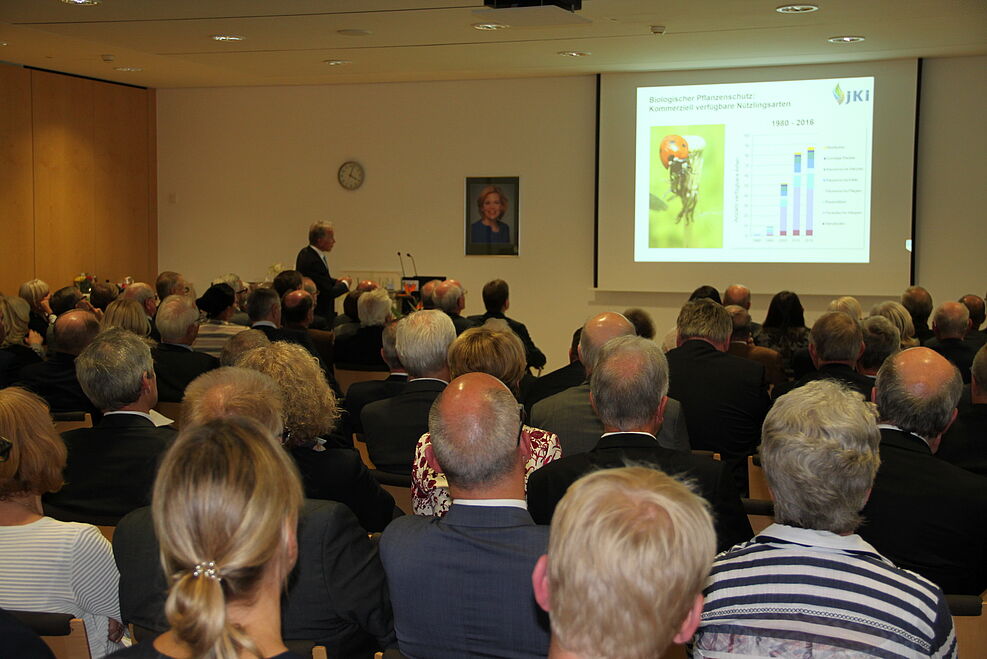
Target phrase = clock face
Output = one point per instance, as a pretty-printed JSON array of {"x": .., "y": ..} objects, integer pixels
[{"x": 350, "y": 175}]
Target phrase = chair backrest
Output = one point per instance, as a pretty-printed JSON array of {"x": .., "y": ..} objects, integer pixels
[
  {"x": 970, "y": 625},
  {"x": 72, "y": 421},
  {"x": 319, "y": 652},
  {"x": 760, "y": 513},
  {"x": 758, "y": 483},
  {"x": 64, "y": 635},
  {"x": 347, "y": 376},
  {"x": 107, "y": 531}
]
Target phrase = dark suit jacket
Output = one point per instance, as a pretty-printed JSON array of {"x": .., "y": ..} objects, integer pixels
[
  {"x": 336, "y": 594},
  {"x": 841, "y": 372},
  {"x": 361, "y": 349},
  {"x": 536, "y": 358},
  {"x": 547, "y": 485},
  {"x": 392, "y": 426},
  {"x": 55, "y": 381},
  {"x": 361, "y": 394},
  {"x": 571, "y": 375},
  {"x": 958, "y": 351},
  {"x": 110, "y": 469},
  {"x": 460, "y": 323},
  {"x": 310, "y": 264},
  {"x": 175, "y": 367},
  {"x": 965, "y": 443},
  {"x": 12, "y": 359},
  {"x": 479, "y": 556},
  {"x": 723, "y": 396},
  {"x": 928, "y": 516},
  {"x": 338, "y": 474},
  {"x": 570, "y": 416}
]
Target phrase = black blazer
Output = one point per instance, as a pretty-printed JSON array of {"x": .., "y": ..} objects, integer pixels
[
  {"x": 55, "y": 381},
  {"x": 392, "y": 426},
  {"x": 841, "y": 372},
  {"x": 361, "y": 349},
  {"x": 571, "y": 375},
  {"x": 176, "y": 366},
  {"x": 958, "y": 351},
  {"x": 928, "y": 516},
  {"x": 361, "y": 394},
  {"x": 338, "y": 474},
  {"x": 110, "y": 469},
  {"x": 547, "y": 485},
  {"x": 336, "y": 594},
  {"x": 310, "y": 264},
  {"x": 12, "y": 359},
  {"x": 724, "y": 398},
  {"x": 965, "y": 443}
]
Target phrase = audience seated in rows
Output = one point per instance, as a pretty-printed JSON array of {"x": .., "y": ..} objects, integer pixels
[
  {"x": 499, "y": 353},
  {"x": 111, "y": 466},
  {"x": 496, "y": 301},
  {"x": 175, "y": 362},
  {"x": 233, "y": 280},
  {"x": 329, "y": 468},
  {"x": 48, "y": 566},
  {"x": 55, "y": 378},
  {"x": 628, "y": 554},
  {"x": 486, "y": 545},
  {"x": 965, "y": 443},
  {"x": 925, "y": 514},
  {"x": 808, "y": 585},
  {"x": 226, "y": 506},
  {"x": 142, "y": 293},
  {"x": 740, "y": 295},
  {"x": 569, "y": 414},
  {"x": 703, "y": 292},
  {"x": 836, "y": 343},
  {"x": 724, "y": 397},
  {"x": 628, "y": 393},
  {"x": 392, "y": 426},
  {"x": 336, "y": 593}
]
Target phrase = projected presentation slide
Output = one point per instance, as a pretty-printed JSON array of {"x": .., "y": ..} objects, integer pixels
[{"x": 761, "y": 172}]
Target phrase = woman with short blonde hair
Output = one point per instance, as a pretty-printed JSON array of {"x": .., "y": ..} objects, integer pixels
[
  {"x": 501, "y": 354},
  {"x": 37, "y": 294},
  {"x": 225, "y": 506},
  {"x": 126, "y": 314}
]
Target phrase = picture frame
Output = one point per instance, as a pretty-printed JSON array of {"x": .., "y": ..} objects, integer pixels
[{"x": 492, "y": 220}]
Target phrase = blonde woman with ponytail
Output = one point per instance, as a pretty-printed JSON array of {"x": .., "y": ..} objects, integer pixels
[{"x": 225, "y": 508}]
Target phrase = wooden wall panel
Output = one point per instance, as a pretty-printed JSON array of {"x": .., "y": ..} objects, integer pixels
[
  {"x": 120, "y": 148},
  {"x": 63, "y": 176},
  {"x": 16, "y": 179}
]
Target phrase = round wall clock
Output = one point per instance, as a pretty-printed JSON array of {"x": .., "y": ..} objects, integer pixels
[{"x": 350, "y": 175}]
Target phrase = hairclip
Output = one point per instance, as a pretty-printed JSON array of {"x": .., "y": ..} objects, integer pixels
[
  {"x": 5, "y": 446},
  {"x": 207, "y": 570}
]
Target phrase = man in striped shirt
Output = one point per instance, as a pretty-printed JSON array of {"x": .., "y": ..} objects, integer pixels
[{"x": 808, "y": 585}]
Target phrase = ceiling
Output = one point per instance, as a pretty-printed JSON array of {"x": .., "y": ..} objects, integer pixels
[{"x": 287, "y": 42}]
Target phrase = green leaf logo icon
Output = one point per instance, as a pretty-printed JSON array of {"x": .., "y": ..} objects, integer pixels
[{"x": 839, "y": 95}]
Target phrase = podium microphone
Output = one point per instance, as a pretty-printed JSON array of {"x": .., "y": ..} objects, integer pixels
[
  {"x": 414, "y": 265},
  {"x": 403, "y": 275}
]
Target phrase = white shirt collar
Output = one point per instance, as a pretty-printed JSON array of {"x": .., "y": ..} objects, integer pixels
[
  {"x": 179, "y": 345},
  {"x": 322, "y": 255},
  {"x": 264, "y": 323},
  {"x": 629, "y": 432},
  {"x": 891, "y": 426},
  {"x": 492, "y": 503},
  {"x": 427, "y": 379},
  {"x": 134, "y": 412},
  {"x": 816, "y": 538}
]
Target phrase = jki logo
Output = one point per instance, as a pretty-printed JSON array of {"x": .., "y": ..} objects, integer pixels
[{"x": 850, "y": 96}]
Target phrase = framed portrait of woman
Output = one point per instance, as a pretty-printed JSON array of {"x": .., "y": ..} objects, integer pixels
[{"x": 492, "y": 222}]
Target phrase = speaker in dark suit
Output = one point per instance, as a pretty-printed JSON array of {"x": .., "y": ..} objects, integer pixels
[{"x": 312, "y": 262}]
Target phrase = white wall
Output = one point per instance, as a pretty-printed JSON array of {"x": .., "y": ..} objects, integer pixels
[{"x": 242, "y": 172}]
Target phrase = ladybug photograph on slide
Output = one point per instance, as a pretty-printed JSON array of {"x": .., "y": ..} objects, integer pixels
[{"x": 686, "y": 186}]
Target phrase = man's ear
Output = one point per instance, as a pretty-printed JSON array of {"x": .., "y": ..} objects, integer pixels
[
  {"x": 592, "y": 404},
  {"x": 691, "y": 622},
  {"x": 539, "y": 580}
]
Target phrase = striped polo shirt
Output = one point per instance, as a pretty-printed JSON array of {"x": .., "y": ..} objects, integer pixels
[{"x": 794, "y": 592}]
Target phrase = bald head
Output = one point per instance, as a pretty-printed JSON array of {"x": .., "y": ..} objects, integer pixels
[
  {"x": 297, "y": 308},
  {"x": 737, "y": 294},
  {"x": 741, "y": 320},
  {"x": 74, "y": 330},
  {"x": 367, "y": 285},
  {"x": 975, "y": 305},
  {"x": 951, "y": 320},
  {"x": 597, "y": 331},
  {"x": 428, "y": 290},
  {"x": 308, "y": 285},
  {"x": 917, "y": 390},
  {"x": 474, "y": 426},
  {"x": 449, "y": 296},
  {"x": 143, "y": 294}
]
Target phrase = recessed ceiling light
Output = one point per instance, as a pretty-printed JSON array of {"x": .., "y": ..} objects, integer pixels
[
  {"x": 338, "y": 62},
  {"x": 128, "y": 69},
  {"x": 574, "y": 53},
  {"x": 796, "y": 9},
  {"x": 227, "y": 37},
  {"x": 354, "y": 33},
  {"x": 81, "y": 2},
  {"x": 490, "y": 26},
  {"x": 846, "y": 39}
]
